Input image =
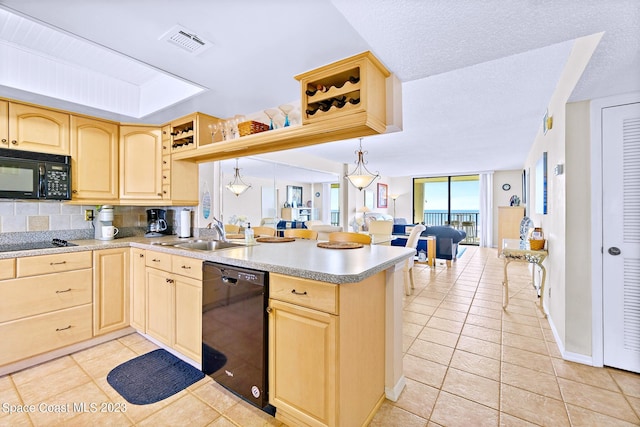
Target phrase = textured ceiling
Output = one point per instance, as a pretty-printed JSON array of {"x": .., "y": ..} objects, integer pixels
[{"x": 477, "y": 76}]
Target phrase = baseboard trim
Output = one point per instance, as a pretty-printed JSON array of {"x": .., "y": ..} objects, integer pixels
[{"x": 393, "y": 393}]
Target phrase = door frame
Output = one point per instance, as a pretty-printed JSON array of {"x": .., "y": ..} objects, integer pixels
[{"x": 597, "y": 248}]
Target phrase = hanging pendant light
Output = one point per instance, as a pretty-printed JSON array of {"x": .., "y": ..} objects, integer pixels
[
  {"x": 361, "y": 177},
  {"x": 237, "y": 186}
]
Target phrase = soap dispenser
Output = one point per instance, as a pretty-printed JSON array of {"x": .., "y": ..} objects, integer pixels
[{"x": 248, "y": 234}]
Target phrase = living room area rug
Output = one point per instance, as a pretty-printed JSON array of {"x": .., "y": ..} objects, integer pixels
[{"x": 152, "y": 377}]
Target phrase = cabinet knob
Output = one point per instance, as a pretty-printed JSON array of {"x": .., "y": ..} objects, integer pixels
[
  {"x": 268, "y": 310},
  {"x": 14, "y": 142},
  {"x": 4, "y": 141},
  {"x": 74, "y": 191},
  {"x": 141, "y": 255}
]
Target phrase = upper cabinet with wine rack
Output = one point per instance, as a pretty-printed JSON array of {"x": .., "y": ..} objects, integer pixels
[
  {"x": 352, "y": 85},
  {"x": 190, "y": 132}
]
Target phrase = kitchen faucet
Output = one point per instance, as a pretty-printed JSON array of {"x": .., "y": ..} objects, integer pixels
[{"x": 219, "y": 227}]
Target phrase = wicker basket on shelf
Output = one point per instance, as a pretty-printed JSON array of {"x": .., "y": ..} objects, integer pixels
[
  {"x": 251, "y": 127},
  {"x": 536, "y": 244}
]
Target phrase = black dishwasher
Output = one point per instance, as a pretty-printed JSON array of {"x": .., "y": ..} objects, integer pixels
[{"x": 234, "y": 330}]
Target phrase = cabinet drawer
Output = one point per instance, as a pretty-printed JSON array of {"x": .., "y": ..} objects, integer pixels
[
  {"x": 159, "y": 260},
  {"x": 56, "y": 263},
  {"x": 7, "y": 268},
  {"x": 45, "y": 332},
  {"x": 307, "y": 293},
  {"x": 29, "y": 296},
  {"x": 185, "y": 266}
]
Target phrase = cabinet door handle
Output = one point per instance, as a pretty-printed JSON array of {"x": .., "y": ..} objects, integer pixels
[
  {"x": 293, "y": 291},
  {"x": 58, "y": 263},
  {"x": 62, "y": 292},
  {"x": 169, "y": 280},
  {"x": 186, "y": 267},
  {"x": 63, "y": 329},
  {"x": 155, "y": 260}
]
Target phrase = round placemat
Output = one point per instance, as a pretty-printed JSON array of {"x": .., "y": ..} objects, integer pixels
[
  {"x": 340, "y": 245},
  {"x": 275, "y": 239}
]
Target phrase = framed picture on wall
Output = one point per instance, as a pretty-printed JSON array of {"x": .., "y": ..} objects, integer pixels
[
  {"x": 382, "y": 196},
  {"x": 294, "y": 196}
]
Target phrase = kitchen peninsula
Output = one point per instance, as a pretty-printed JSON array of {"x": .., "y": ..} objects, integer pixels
[{"x": 355, "y": 335}]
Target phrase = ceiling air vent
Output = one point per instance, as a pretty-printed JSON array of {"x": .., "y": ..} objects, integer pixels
[{"x": 186, "y": 39}]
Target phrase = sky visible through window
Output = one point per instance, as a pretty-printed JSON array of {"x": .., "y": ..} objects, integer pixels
[{"x": 465, "y": 196}]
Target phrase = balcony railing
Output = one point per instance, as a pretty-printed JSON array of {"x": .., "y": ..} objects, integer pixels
[{"x": 467, "y": 221}]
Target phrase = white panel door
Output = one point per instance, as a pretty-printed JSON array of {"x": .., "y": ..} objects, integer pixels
[{"x": 621, "y": 236}]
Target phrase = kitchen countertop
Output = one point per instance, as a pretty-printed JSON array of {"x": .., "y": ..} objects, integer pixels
[{"x": 301, "y": 258}]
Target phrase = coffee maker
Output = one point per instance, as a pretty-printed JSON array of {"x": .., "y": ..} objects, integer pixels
[
  {"x": 156, "y": 223},
  {"x": 103, "y": 223}
]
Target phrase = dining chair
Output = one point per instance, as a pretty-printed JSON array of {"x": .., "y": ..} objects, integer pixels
[
  {"x": 412, "y": 242},
  {"x": 347, "y": 236},
  {"x": 264, "y": 231},
  {"x": 231, "y": 229},
  {"x": 302, "y": 233}
]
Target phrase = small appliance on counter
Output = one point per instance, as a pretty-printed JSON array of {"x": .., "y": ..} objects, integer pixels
[
  {"x": 157, "y": 223},
  {"x": 103, "y": 224}
]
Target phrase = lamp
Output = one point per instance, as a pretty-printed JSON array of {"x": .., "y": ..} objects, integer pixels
[
  {"x": 394, "y": 197},
  {"x": 237, "y": 186},
  {"x": 361, "y": 177}
]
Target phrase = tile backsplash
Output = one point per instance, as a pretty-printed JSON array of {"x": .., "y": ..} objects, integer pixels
[{"x": 23, "y": 216}]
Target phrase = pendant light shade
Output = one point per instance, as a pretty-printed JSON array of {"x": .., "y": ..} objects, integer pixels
[
  {"x": 237, "y": 186},
  {"x": 361, "y": 177}
]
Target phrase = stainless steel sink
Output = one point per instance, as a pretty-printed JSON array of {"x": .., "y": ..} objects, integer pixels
[{"x": 207, "y": 245}]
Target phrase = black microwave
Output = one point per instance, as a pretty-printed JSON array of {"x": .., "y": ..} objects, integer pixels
[{"x": 31, "y": 175}]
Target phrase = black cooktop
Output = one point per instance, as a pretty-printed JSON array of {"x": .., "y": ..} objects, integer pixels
[{"x": 55, "y": 243}]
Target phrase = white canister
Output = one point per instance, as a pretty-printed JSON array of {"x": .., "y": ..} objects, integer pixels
[{"x": 185, "y": 223}]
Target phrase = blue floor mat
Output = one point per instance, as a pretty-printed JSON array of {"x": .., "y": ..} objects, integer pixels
[{"x": 152, "y": 377}]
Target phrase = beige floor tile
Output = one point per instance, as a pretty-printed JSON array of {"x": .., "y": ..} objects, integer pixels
[
  {"x": 15, "y": 419},
  {"x": 486, "y": 312},
  {"x": 186, "y": 411},
  {"x": 473, "y": 387},
  {"x": 635, "y": 403},
  {"x": 520, "y": 318},
  {"x": 533, "y": 407},
  {"x": 445, "y": 325},
  {"x": 246, "y": 415},
  {"x": 507, "y": 420},
  {"x": 443, "y": 313},
  {"x": 393, "y": 416},
  {"x": 424, "y": 371},
  {"x": 453, "y": 411},
  {"x": 439, "y": 336},
  {"x": 420, "y": 308},
  {"x": 455, "y": 306},
  {"x": 628, "y": 382},
  {"x": 406, "y": 342},
  {"x": 99, "y": 367},
  {"x": 476, "y": 364},
  {"x": 216, "y": 396},
  {"x": 482, "y": 333},
  {"x": 525, "y": 330},
  {"x": 584, "y": 417},
  {"x": 222, "y": 422},
  {"x": 477, "y": 346},
  {"x": 493, "y": 305},
  {"x": 429, "y": 302},
  {"x": 486, "y": 322},
  {"x": 530, "y": 380},
  {"x": 98, "y": 351},
  {"x": 525, "y": 343},
  {"x": 431, "y": 351},
  {"x": 597, "y": 399},
  {"x": 415, "y": 318},
  {"x": 411, "y": 329},
  {"x": 527, "y": 359},
  {"x": 43, "y": 370},
  {"x": 58, "y": 382},
  {"x": 585, "y": 374},
  {"x": 418, "y": 398}
]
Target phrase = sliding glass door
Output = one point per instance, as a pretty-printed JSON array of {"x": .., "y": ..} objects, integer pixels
[{"x": 448, "y": 200}]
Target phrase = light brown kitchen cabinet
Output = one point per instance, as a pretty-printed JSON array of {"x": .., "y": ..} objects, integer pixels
[
  {"x": 49, "y": 301},
  {"x": 140, "y": 163},
  {"x": 94, "y": 159},
  {"x": 138, "y": 292},
  {"x": 32, "y": 128},
  {"x": 326, "y": 350},
  {"x": 509, "y": 218},
  {"x": 174, "y": 302},
  {"x": 192, "y": 131},
  {"x": 7, "y": 268},
  {"x": 110, "y": 290}
]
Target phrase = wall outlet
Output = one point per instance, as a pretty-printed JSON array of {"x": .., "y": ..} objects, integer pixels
[{"x": 88, "y": 215}]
